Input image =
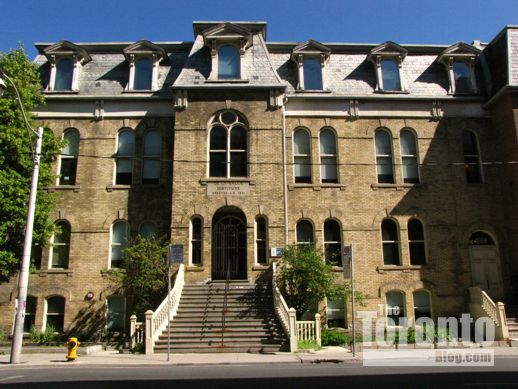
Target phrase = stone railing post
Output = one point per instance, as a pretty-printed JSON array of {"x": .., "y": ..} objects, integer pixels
[
  {"x": 317, "y": 329},
  {"x": 502, "y": 332},
  {"x": 133, "y": 331},
  {"x": 149, "y": 332},
  {"x": 294, "y": 345}
]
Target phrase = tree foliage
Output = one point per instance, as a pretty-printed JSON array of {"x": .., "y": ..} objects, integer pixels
[
  {"x": 16, "y": 163},
  {"x": 143, "y": 276},
  {"x": 305, "y": 279}
]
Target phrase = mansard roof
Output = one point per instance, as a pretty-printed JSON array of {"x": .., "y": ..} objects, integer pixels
[
  {"x": 64, "y": 48},
  {"x": 311, "y": 47},
  {"x": 388, "y": 49},
  {"x": 458, "y": 50},
  {"x": 144, "y": 47}
]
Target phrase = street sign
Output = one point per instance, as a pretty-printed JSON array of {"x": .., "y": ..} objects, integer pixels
[{"x": 175, "y": 254}]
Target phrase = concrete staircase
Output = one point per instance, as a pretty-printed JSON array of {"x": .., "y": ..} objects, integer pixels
[
  {"x": 511, "y": 313},
  {"x": 250, "y": 324}
]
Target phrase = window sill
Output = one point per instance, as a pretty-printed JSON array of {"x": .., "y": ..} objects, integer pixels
[
  {"x": 396, "y": 186},
  {"x": 316, "y": 187},
  {"x": 260, "y": 267},
  {"x": 75, "y": 188},
  {"x": 228, "y": 81},
  {"x": 195, "y": 268},
  {"x": 61, "y": 92},
  {"x": 338, "y": 268},
  {"x": 402, "y": 268},
  {"x": 313, "y": 91},
  {"x": 392, "y": 92},
  {"x": 205, "y": 181},
  {"x": 44, "y": 273},
  {"x": 133, "y": 91}
]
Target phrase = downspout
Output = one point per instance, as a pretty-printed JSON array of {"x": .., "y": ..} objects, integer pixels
[{"x": 285, "y": 174}]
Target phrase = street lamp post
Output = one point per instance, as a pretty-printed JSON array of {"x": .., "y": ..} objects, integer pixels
[{"x": 23, "y": 277}]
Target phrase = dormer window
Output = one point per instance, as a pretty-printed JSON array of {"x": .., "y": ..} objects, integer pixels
[
  {"x": 144, "y": 58},
  {"x": 66, "y": 60},
  {"x": 459, "y": 60},
  {"x": 390, "y": 75},
  {"x": 388, "y": 59},
  {"x": 311, "y": 58},
  {"x": 228, "y": 62}
]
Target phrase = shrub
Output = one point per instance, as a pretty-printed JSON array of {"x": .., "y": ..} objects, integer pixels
[
  {"x": 3, "y": 335},
  {"x": 138, "y": 349},
  {"x": 44, "y": 337},
  {"x": 335, "y": 338}
]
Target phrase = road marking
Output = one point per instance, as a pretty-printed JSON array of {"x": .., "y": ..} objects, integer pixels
[{"x": 11, "y": 378}]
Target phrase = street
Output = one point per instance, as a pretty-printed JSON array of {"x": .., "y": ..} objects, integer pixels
[{"x": 271, "y": 376}]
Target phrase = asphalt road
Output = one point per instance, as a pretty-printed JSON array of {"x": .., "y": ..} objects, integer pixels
[{"x": 315, "y": 376}]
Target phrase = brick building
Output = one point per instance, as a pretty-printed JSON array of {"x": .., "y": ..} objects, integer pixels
[{"x": 407, "y": 152}]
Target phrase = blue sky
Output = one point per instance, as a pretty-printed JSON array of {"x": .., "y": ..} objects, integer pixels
[{"x": 358, "y": 21}]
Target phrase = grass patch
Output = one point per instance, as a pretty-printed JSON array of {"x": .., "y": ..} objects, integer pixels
[{"x": 308, "y": 345}]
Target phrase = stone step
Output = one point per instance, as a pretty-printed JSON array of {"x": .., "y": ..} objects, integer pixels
[
  {"x": 229, "y": 309},
  {"x": 199, "y": 349},
  {"x": 217, "y": 324},
  {"x": 217, "y": 338}
]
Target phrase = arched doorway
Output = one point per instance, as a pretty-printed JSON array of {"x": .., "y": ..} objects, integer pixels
[
  {"x": 485, "y": 265},
  {"x": 229, "y": 244}
]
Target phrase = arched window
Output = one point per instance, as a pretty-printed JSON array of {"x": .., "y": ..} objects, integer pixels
[
  {"x": 333, "y": 243},
  {"x": 148, "y": 230},
  {"x": 261, "y": 240},
  {"x": 64, "y": 74},
  {"x": 55, "y": 313},
  {"x": 312, "y": 74},
  {"x": 60, "y": 247},
  {"x": 68, "y": 160},
  {"x": 124, "y": 159},
  {"x": 305, "y": 233},
  {"x": 390, "y": 75},
  {"x": 409, "y": 158},
  {"x": 416, "y": 242},
  {"x": 422, "y": 306},
  {"x": 228, "y": 62},
  {"x": 480, "y": 238},
  {"x": 390, "y": 242},
  {"x": 472, "y": 160},
  {"x": 116, "y": 312},
  {"x": 395, "y": 306},
  {"x": 120, "y": 239},
  {"x": 228, "y": 146},
  {"x": 152, "y": 153},
  {"x": 384, "y": 162},
  {"x": 302, "y": 156},
  {"x": 143, "y": 74},
  {"x": 196, "y": 240},
  {"x": 30, "y": 313},
  {"x": 328, "y": 164}
]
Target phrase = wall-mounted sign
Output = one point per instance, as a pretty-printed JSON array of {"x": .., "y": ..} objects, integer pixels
[
  {"x": 228, "y": 189},
  {"x": 276, "y": 252},
  {"x": 175, "y": 254}
]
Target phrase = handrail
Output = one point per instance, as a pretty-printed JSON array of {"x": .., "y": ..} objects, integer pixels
[
  {"x": 481, "y": 305},
  {"x": 159, "y": 317},
  {"x": 490, "y": 307},
  {"x": 281, "y": 308},
  {"x": 223, "y": 312}
]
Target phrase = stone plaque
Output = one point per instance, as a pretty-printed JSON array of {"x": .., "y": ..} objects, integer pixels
[{"x": 228, "y": 189}]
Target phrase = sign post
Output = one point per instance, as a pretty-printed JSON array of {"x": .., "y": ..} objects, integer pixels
[
  {"x": 174, "y": 255},
  {"x": 348, "y": 269}
]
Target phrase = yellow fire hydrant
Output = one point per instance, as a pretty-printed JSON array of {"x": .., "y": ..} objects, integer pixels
[{"x": 72, "y": 344}]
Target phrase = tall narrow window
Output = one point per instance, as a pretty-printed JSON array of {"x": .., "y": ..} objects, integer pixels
[
  {"x": 312, "y": 74},
  {"x": 409, "y": 158},
  {"x": 64, "y": 74},
  {"x": 116, "y": 312},
  {"x": 333, "y": 243},
  {"x": 328, "y": 164},
  {"x": 68, "y": 160},
  {"x": 55, "y": 313},
  {"x": 120, "y": 239},
  {"x": 422, "y": 306},
  {"x": 152, "y": 153},
  {"x": 124, "y": 161},
  {"x": 148, "y": 230},
  {"x": 260, "y": 240},
  {"x": 61, "y": 245},
  {"x": 196, "y": 239},
  {"x": 335, "y": 312},
  {"x": 471, "y": 158},
  {"x": 395, "y": 306},
  {"x": 416, "y": 242},
  {"x": 30, "y": 313},
  {"x": 462, "y": 77},
  {"x": 302, "y": 156},
  {"x": 384, "y": 163},
  {"x": 228, "y": 62},
  {"x": 143, "y": 74},
  {"x": 390, "y": 75},
  {"x": 390, "y": 242},
  {"x": 305, "y": 235},
  {"x": 228, "y": 146}
]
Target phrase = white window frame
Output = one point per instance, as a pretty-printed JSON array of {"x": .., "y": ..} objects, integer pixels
[
  {"x": 313, "y": 242},
  {"x": 377, "y": 61},
  {"x": 152, "y": 157},
  {"x": 61, "y": 156},
  {"x": 429, "y": 301},
  {"x": 240, "y": 44},
  {"x": 335, "y": 155},
  {"x": 77, "y": 65},
  {"x": 117, "y": 244},
  {"x": 470, "y": 61},
  {"x": 415, "y": 157},
  {"x": 391, "y": 155},
  {"x": 53, "y": 244},
  {"x": 403, "y": 307},
  {"x": 322, "y": 58},
  {"x": 130, "y": 157},
  {"x": 308, "y": 156},
  {"x": 46, "y": 309},
  {"x": 132, "y": 60}
]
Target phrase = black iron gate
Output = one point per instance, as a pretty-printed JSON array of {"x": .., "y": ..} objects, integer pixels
[{"x": 229, "y": 249}]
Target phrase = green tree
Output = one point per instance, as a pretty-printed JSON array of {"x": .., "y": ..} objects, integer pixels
[
  {"x": 16, "y": 162},
  {"x": 143, "y": 276}
]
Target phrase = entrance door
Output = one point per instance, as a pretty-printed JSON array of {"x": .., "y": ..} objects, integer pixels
[
  {"x": 229, "y": 245},
  {"x": 485, "y": 265}
]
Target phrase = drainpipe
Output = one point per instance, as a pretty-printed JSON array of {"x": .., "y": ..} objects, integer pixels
[{"x": 285, "y": 175}]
